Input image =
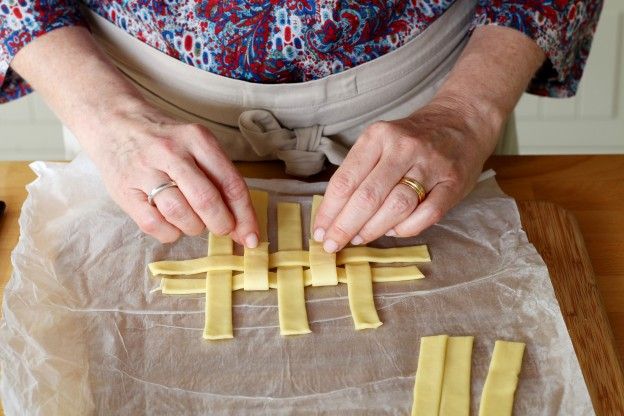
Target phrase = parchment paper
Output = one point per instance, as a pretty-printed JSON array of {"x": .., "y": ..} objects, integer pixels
[{"x": 85, "y": 330}]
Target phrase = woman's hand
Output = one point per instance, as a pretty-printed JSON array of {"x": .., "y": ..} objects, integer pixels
[
  {"x": 443, "y": 145},
  {"x": 140, "y": 148},
  {"x": 137, "y": 147},
  {"x": 440, "y": 146}
]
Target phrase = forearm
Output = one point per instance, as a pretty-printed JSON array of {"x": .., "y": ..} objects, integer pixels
[
  {"x": 76, "y": 79},
  {"x": 489, "y": 78}
]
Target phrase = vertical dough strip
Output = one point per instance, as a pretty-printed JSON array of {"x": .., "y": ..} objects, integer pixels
[
  {"x": 293, "y": 317},
  {"x": 455, "y": 399},
  {"x": 360, "y": 292},
  {"x": 218, "y": 312},
  {"x": 256, "y": 260},
  {"x": 322, "y": 264},
  {"x": 500, "y": 384},
  {"x": 429, "y": 376}
]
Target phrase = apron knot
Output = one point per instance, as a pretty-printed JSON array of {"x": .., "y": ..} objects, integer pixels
[{"x": 303, "y": 150}]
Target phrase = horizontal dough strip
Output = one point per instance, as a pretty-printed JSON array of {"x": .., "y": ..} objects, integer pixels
[
  {"x": 183, "y": 286},
  {"x": 363, "y": 254},
  {"x": 411, "y": 254}
]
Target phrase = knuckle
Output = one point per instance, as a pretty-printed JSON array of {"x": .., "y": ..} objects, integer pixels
[
  {"x": 195, "y": 229},
  {"x": 402, "y": 202},
  {"x": 169, "y": 237},
  {"x": 454, "y": 173},
  {"x": 235, "y": 189},
  {"x": 367, "y": 234},
  {"x": 195, "y": 130},
  {"x": 379, "y": 127},
  {"x": 207, "y": 199},
  {"x": 173, "y": 208},
  {"x": 341, "y": 233},
  {"x": 436, "y": 214},
  {"x": 222, "y": 228},
  {"x": 149, "y": 224},
  {"x": 403, "y": 146},
  {"x": 368, "y": 195},
  {"x": 343, "y": 185},
  {"x": 321, "y": 220},
  {"x": 404, "y": 232}
]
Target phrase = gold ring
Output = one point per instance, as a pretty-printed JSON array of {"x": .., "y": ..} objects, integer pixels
[{"x": 416, "y": 187}]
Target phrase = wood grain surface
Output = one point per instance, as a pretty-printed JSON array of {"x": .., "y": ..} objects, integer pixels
[
  {"x": 590, "y": 187},
  {"x": 557, "y": 237}
]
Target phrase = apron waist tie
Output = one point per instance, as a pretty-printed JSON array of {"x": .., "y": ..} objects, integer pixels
[{"x": 303, "y": 150}]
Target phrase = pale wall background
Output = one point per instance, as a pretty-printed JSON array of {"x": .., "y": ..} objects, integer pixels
[{"x": 591, "y": 122}]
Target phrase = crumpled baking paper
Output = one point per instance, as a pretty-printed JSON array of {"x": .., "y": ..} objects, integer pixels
[{"x": 85, "y": 330}]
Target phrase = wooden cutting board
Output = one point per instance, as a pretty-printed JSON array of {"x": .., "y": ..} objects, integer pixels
[{"x": 555, "y": 234}]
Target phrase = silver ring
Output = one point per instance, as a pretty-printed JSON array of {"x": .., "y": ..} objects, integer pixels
[{"x": 159, "y": 189}]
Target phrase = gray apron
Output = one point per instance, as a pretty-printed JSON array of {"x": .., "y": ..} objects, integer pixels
[{"x": 299, "y": 123}]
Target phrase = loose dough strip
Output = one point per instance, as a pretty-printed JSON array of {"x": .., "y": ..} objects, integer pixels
[
  {"x": 429, "y": 376},
  {"x": 455, "y": 399},
  {"x": 218, "y": 288},
  {"x": 360, "y": 292},
  {"x": 293, "y": 317},
  {"x": 195, "y": 266},
  {"x": 415, "y": 254},
  {"x": 500, "y": 384},
  {"x": 410, "y": 254},
  {"x": 322, "y": 263},
  {"x": 186, "y": 286},
  {"x": 256, "y": 260}
]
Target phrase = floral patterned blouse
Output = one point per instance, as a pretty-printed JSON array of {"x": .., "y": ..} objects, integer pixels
[{"x": 280, "y": 41}]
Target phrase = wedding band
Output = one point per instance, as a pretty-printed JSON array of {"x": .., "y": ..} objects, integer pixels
[
  {"x": 159, "y": 189},
  {"x": 416, "y": 187}
]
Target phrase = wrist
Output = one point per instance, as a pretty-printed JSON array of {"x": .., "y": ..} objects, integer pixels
[{"x": 482, "y": 118}]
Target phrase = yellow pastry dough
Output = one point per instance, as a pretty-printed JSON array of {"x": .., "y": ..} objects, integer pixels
[
  {"x": 288, "y": 258},
  {"x": 411, "y": 254},
  {"x": 416, "y": 254},
  {"x": 218, "y": 287},
  {"x": 322, "y": 263},
  {"x": 253, "y": 272},
  {"x": 429, "y": 376},
  {"x": 455, "y": 400},
  {"x": 185, "y": 286},
  {"x": 293, "y": 317},
  {"x": 195, "y": 266},
  {"x": 256, "y": 260},
  {"x": 500, "y": 385},
  {"x": 256, "y": 267},
  {"x": 360, "y": 292}
]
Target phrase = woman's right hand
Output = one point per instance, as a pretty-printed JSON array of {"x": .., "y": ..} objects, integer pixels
[
  {"x": 136, "y": 146},
  {"x": 139, "y": 148}
]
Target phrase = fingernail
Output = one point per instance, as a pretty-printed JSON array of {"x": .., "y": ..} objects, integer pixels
[
  {"x": 319, "y": 233},
  {"x": 330, "y": 246},
  {"x": 391, "y": 233},
  {"x": 251, "y": 241},
  {"x": 357, "y": 240}
]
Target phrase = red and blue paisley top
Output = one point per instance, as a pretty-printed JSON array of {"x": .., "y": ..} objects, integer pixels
[{"x": 279, "y": 41}]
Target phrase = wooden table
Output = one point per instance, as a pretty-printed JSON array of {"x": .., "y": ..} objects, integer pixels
[{"x": 590, "y": 187}]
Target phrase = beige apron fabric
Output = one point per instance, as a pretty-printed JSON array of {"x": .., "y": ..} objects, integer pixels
[{"x": 299, "y": 123}]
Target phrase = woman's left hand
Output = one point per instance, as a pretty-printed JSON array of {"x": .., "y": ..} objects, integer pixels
[{"x": 443, "y": 146}]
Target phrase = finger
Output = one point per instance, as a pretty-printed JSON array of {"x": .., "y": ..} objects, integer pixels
[
  {"x": 399, "y": 204},
  {"x": 364, "y": 202},
  {"x": 360, "y": 160},
  {"x": 202, "y": 195},
  {"x": 397, "y": 207},
  {"x": 177, "y": 211},
  {"x": 147, "y": 217},
  {"x": 442, "y": 197},
  {"x": 234, "y": 190}
]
